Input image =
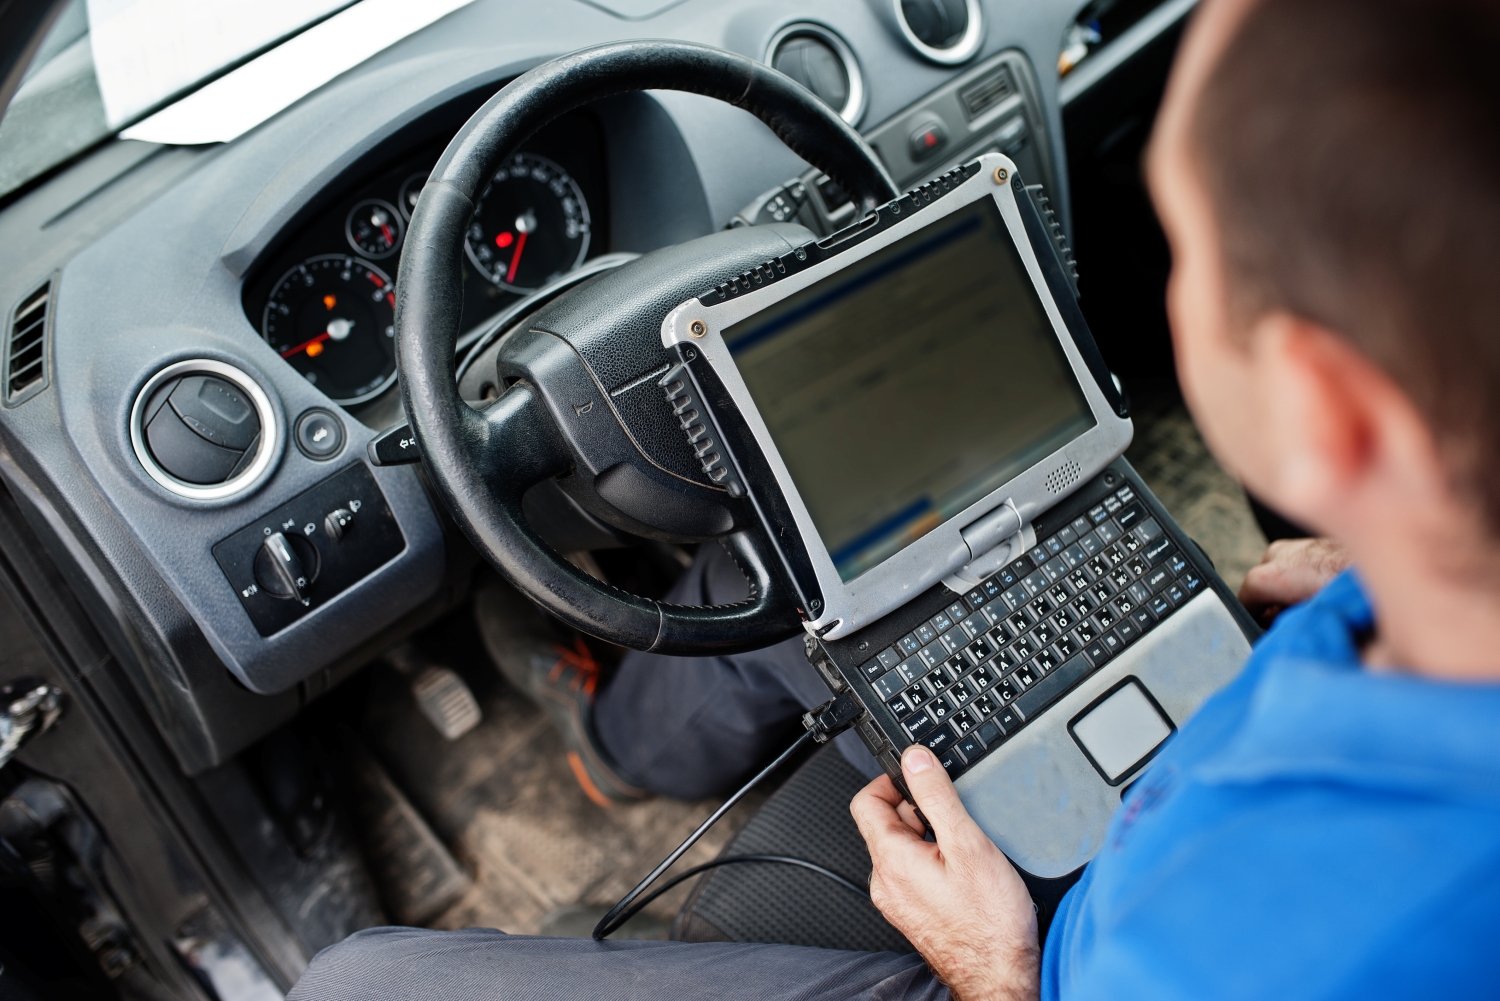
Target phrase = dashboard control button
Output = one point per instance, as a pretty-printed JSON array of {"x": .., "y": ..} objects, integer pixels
[
  {"x": 280, "y": 569},
  {"x": 319, "y": 434},
  {"x": 336, "y": 523},
  {"x": 394, "y": 446},
  {"x": 329, "y": 566},
  {"x": 929, "y": 137}
]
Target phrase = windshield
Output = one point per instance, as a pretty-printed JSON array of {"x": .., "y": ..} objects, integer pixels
[{"x": 186, "y": 71}]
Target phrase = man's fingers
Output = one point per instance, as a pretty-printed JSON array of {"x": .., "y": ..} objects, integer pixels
[
  {"x": 908, "y": 813},
  {"x": 887, "y": 831},
  {"x": 933, "y": 791},
  {"x": 882, "y": 788},
  {"x": 874, "y": 810}
]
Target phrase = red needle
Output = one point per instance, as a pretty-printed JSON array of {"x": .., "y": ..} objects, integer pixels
[
  {"x": 390, "y": 237},
  {"x": 305, "y": 345},
  {"x": 515, "y": 259}
]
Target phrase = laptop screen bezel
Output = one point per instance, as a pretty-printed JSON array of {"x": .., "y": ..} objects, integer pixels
[{"x": 834, "y": 607}]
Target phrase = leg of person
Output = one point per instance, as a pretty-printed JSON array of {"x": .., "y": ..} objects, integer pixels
[
  {"x": 698, "y": 726},
  {"x": 480, "y": 964}
]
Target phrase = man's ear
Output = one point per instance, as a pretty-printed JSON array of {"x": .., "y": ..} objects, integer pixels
[
  {"x": 1318, "y": 426},
  {"x": 1337, "y": 425}
]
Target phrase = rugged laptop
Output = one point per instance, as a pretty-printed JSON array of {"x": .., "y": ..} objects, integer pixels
[{"x": 918, "y": 412}]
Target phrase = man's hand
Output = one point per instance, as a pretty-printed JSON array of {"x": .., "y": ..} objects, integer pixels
[
  {"x": 959, "y": 901},
  {"x": 1291, "y": 571}
]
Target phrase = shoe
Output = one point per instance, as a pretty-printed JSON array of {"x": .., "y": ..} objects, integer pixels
[{"x": 559, "y": 677}]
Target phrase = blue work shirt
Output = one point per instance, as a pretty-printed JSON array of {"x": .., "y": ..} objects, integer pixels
[{"x": 1317, "y": 830}]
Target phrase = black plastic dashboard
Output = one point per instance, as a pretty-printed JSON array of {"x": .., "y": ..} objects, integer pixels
[{"x": 153, "y": 256}]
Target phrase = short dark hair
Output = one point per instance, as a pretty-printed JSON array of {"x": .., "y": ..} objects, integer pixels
[{"x": 1351, "y": 150}]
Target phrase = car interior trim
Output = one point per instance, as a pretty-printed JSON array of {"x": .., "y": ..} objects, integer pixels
[
  {"x": 854, "y": 106},
  {"x": 959, "y": 51},
  {"x": 1101, "y": 64},
  {"x": 251, "y": 476}
]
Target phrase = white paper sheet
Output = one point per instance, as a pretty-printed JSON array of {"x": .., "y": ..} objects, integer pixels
[
  {"x": 243, "y": 98},
  {"x": 147, "y": 50}
]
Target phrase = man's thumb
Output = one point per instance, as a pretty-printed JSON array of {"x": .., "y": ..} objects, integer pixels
[{"x": 932, "y": 789}]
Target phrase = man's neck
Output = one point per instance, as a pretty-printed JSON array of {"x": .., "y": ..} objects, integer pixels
[{"x": 1432, "y": 619}]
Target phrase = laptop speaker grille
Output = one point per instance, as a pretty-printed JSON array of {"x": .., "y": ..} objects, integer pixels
[{"x": 1063, "y": 476}]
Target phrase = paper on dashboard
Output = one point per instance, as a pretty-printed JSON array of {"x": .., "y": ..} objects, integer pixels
[{"x": 145, "y": 51}]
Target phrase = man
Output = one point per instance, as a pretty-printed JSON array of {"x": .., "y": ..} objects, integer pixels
[{"x": 1329, "y": 825}]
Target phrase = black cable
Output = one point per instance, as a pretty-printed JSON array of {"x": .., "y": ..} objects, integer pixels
[
  {"x": 731, "y": 860},
  {"x": 611, "y": 921}
]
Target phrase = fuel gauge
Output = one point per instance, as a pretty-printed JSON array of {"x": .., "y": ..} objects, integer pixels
[{"x": 374, "y": 228}]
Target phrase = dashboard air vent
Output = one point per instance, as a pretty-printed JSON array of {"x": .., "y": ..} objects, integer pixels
[
  {"x": 945, "y": 31},
  {"x": 819, "y": 60},
  {"x": 204, "y": 430},
  {"x": 26, "y": 347},
  {"x": 986, "y": 92}
]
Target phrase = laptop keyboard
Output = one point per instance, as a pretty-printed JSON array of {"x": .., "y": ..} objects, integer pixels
[{"x": 972, "y": 676}]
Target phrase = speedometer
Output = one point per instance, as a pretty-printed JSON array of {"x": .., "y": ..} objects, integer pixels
[
  {"x": 530, "y": 226},
  {"x": 333, "y": 318}
]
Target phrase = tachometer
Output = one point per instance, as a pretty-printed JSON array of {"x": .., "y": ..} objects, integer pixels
[
  {"x": 530, "y": 226},
  {"x": 333, "y": 318}
]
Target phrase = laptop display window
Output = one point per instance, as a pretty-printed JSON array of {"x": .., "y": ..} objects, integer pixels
[{"x": 908, "y": 386}]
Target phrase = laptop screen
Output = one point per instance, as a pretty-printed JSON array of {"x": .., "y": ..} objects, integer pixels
[{"x": 909, "y": 385}]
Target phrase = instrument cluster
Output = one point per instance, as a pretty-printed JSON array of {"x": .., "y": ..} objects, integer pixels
[{"x": 326, "y": 300}]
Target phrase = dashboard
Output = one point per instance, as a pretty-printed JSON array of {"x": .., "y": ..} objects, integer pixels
[
  {"x": 324, "y": 301},
  {"x": 216, "y": 327}
]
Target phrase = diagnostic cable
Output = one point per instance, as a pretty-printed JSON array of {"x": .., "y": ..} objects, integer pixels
[{"x": 822, "y": 725}]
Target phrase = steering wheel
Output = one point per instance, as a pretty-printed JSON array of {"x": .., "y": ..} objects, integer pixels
[{"x": 582, "y": 405}]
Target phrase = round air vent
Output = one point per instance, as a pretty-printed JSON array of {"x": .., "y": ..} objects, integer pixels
[
  {"x": 945, "y": 31},
  {"x": 203, "y": 429},
  {"x": 819, "y": 60}
]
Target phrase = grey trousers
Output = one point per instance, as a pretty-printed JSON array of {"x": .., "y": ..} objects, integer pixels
[
  {"x": 690, "y": 727},
  {"x": 479, "y": 964}
]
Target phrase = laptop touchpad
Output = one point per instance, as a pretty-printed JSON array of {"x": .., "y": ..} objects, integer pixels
[{"x": 1121, "y": 730}]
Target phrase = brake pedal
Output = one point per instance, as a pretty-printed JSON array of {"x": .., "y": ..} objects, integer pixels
[{"x": 446, "y": 701}]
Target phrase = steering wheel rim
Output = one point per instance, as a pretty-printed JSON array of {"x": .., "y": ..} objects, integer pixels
[{"x": 482, "y": 462}]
